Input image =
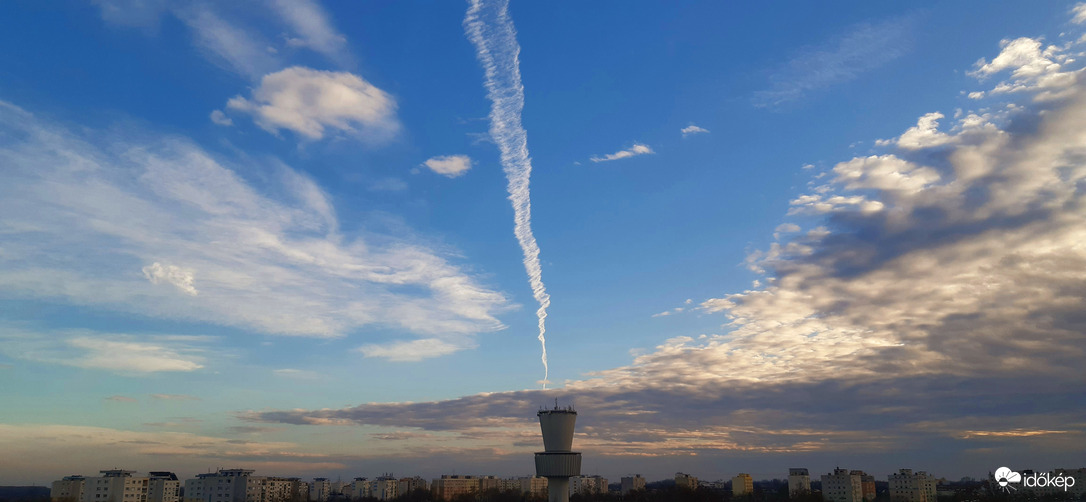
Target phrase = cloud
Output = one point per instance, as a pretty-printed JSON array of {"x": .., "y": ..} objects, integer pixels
[
  {"x": 415, "y": 350},
  {"x": 121, "y": 399},
  {"x": 861, "y": 48},
  {"x": 268, "y": 257},
  {"x": 309, "y": 102},
  {"x": 171, "y": 274},
  {"x": 1079, "y": 13},
  {"x": 693, "y": 129},
  {"x": 449, "y": 165},
  {"x": 124, "y": 354},
  {"x": 174, "y": 397},
  {"x": 220, "y": 118},
  {"x": 935, "y": 305},
  {"x": 491, "y": 31},
  {"x": 925, "y": 134},
  {"x": 133, "y": 13},
  {"x": 296, "y": 373},
  {"x": 636, "y": 149},
  {"x": 785, "y": 228},
  {"x": 314, "y": 29},
  {"x": 1032, "y": 66},
  {"x": 226, "y": 44},
  {"x": 48, "y": 448}
]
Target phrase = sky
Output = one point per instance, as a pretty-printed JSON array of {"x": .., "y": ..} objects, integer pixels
[{"x": 334, "y": 238}]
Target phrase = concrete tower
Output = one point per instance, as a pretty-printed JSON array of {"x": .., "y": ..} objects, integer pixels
[{"x": 558, "y": 463}]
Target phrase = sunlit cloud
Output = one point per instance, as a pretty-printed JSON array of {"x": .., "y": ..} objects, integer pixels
[
  {"x": 693, "y": 129},
  {"x": 450, "y": 166},
  {"x": 635, "y": 150},
  {"x": 166, "y": 230}
]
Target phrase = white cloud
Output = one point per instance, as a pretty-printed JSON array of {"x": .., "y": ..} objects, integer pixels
[
  {"x": 1033, "y": 67},
  {"x": 693, "y": 129},
  {"x": 309, "y": 102},
  {"x": 861, "y": 48},
  {"x": 174, "y": 397},
  {"x": 923, "y": 135},
  {"x": 449, "y": 165},
  {"x": 785, "y": 228},
  {"x": 121, "y": 399},
  {"x": 266, "y": 264},
  {"x": 1078, "y": 13},
  {"x": 123, "y": 354},
  {"x": 134, "y": 13},
  {"x": 314, "y": 29},
  {"x": 415, "y": 350},
  {"x": 636, "y": 149},
  {"x": 226, "y": 44},
  {"x": 220, "y": 118},
  {"x": 171, "y": 274},
  {"x": 296, "y": 373}
]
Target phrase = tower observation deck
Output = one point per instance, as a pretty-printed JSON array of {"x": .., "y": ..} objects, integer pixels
[{"x": 558, "y": 462}]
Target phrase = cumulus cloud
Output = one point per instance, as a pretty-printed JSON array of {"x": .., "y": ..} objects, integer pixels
[
  {"x": 942, "y": 282},
  {"x": 693, "y": 129},
  {"x": 1032, "y": 67},
  {"x": 859, "y": 49},
  {"x": 266, "y": 257},
  {"x": 220, "y": 118},
  {"x": 636, "y": 149},
  {"x": 309, "y": 102},
  {"x": 449, "y": 165}
]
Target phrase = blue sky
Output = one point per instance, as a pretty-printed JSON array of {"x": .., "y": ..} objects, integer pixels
[{"x": 280, "y": 235}]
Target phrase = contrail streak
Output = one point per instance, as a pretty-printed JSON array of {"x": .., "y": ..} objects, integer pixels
[{"x": 491, "y": 31}]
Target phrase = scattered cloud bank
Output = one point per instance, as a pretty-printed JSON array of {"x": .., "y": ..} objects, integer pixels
[
  {"x": 636, "y": 149},
  {"x": 309, "y": 102},
  {"x": 693, "y": 129},
  {"x": 449, "y": 165},
  {"x": 313, "y": 29},
  {"x": 860, "y": 49},
  {"x": 166, "y": 230},
  {"x": 936, "y": 305},
  {"x": 220, "y": 118}
]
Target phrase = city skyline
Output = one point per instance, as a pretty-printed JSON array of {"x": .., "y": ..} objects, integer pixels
[{"x": 294, "y": 236}]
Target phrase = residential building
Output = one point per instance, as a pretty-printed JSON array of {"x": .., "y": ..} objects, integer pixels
[
  {"x": 536, "y": 486},
  {"x": 799, "y": 482},
  {"x": 450, "y": 485},
  {"x": 360, "y": 488},
  {"x": 685, "y": 481},
  {"x": 163, "y": 486},
  {"x": 226, "y": 485},
  {"x": 408, "y": 485},
  {"x": 867, "y": 485},
  {"x": 632, "y": 483},
  {"x": 907, "y": 486},
  {"x": 842, "y": 486},
  {"x": 742, "y": 485},
  {"x": 115, "y": 485},
  {"x": 587, "y": 485},
  {"x": 67, "y": 489},
  {"x": 319, "y": 490},
  {"x": 385, "y": 487}
]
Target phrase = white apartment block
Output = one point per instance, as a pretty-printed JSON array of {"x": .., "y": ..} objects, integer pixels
[
  {"x": 450, "y": 485},
  {"x": 67, "y": 489},
  {"x": 799, "y": 482},
  {"x": 115, "y": 485},
  {"x": 385, "y": 487},
  {"x": 632, "y": 483},
  {"x": 742, "y": 485},
  {"x": 907, "y": 486},
  {"x": 359, "y": 488},
  {"x": 226, "y": 485},
  {"x": 587, "y": 485},
  {"x": 534, "y": 485},
  {"x": 408, "y": 485},
  {"x": 842, "y": 486}
]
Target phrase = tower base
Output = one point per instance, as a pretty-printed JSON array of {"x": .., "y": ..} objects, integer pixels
[{"x": 558, "y": 489}]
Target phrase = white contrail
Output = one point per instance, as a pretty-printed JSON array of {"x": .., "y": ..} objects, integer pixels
[{"x": 491, "y": 31}]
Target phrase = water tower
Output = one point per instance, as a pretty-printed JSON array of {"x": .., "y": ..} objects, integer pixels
[{"x": 558, "y": 462}]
